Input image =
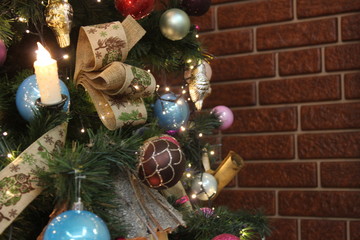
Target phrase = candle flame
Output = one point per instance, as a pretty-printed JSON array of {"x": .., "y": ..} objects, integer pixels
[{"x": 42, "y": 54}]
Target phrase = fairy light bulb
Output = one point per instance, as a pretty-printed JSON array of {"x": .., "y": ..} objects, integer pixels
[
  {"x": 182, "y": 128},
  {"x": 193, "y": 196},
  {"x": 188, "y": 175},
  {"x": 9, "y": 155},
  {"x": 200, "y": 134},
  {"x": 65, "y": 56},
  {"x": 82, "y": 130},
  {"x": 212, "y": 152},
  {"x": 5, "y": 134},
  {"x": 167, "y": 89},
  {"x": 183, "y": 91}
]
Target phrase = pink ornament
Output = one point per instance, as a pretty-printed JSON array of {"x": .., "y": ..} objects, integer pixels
[
  {"x": 225, "y": 236},
  {"x": 226, "y": 116},
  {"x": 208, "y": 212},
  {"x": 3, "y": 52}
]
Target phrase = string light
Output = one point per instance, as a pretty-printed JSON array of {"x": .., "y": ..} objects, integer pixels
[
  {"x": 188, "y": 175},
  {"x": 193, "y": 196},
  {"x": 182, "y": 128},
  {"x": 167, "y": 89},
  {"x": 200, "y": 134},
  {"x": 189, "y": 60},
  {"x": 27, "y": 31},
  {"x": 5, "y": 134},
  {"x": 197, "y": 35},
  {"x": 189, "y": 99},
  {"x": 82, "y": 130},
  {"x": 136, "y": 87},
  {"x": 212, "y": 152},
  {"x": 22, "y": 19},
  {"x": 179, "y": 102},
  {"x": 9, "y": 155},
  {"x": 66, "y": 56},
  {"x": 183, "y": 91},
  {"x": 99, "y": 1},
  {"x": 148, "y": 70}
]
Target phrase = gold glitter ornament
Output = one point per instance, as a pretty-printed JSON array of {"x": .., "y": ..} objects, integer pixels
[
  {"x": 198, "y": 79},
  {"x": 59, "y": 15}
]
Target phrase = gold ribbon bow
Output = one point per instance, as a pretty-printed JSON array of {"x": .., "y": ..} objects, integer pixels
[
  {"x": 115, "y": 88},
  {"x": 18, "y": 181}
]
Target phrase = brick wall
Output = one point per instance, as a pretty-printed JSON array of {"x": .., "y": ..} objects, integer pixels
[{"x": 289, "y": 70}]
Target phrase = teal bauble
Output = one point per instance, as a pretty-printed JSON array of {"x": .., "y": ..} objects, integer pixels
[
  {"x": 77, "y": 225},
  {"x": 27, "y": 94},
  {"x": 171, "y": 111}
]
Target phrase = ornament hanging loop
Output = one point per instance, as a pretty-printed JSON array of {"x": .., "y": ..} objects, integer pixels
[{"x": 78, "y": 205}]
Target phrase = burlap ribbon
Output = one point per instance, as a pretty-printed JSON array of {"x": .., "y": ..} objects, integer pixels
[
  {"x": 18, "y": 182},
  {"x": 115, "y": 88}
]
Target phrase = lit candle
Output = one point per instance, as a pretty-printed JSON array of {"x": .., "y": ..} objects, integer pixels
[{"x": 47, "y": 77}]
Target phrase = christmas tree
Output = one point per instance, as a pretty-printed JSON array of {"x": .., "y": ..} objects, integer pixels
[{"x": 113, "y": 150}]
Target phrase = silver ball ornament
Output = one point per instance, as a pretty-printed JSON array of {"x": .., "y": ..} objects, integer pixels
[
  {"x": 174, "y": 24},
  {"x": 204, "y": 186}
]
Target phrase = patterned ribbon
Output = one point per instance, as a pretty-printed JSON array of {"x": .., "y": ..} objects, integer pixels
[
  {"x": 115, "y": 88},
  {"x": 18, "y": 182}
]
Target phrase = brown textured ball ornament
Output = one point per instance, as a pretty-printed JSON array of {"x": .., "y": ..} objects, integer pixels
[{"x": 162, "y": 163}]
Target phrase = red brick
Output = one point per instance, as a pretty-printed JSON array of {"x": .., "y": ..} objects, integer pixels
[
  {"x": 329, "y": 145},
  {"x": 260, "y": 147},
  {"x": 307, "y": 89},
  {"x": 254, "y": 12},
  {"x": 300, "y": 62},
  {"x": 232, "y": 95},
  {"x": 319, "y": 203},
  {"x": 236, "y": 199},
  {"x": 297, "y": 34},
  {"x": 352, "y": 85},
  {"x": 205, "y": 22},
  {"x": 282, "y": 228},
  {"x": 254, "y": 66},
  {"x": 343, "y": 57},
  {"x": 330, "y": 116},
  {"x": 354, "y": 230},
  {"x": 310, "y": 8},
  {"x": 221, "y": 1},
  {"x": 323, "y": 230},
  {"x": 223, "y": 43},
  {"x": 350, "y": 27},
  {"x": 340, "y": 174},
  {"x": 278, "y": 175},
  {"x": 264, "y": 120}
]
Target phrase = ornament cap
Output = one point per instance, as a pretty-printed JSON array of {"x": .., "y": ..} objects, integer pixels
[{"x": 63, "y": 40}]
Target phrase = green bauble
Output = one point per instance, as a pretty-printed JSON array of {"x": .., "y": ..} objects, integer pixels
[{"x": 174, "y": 24}]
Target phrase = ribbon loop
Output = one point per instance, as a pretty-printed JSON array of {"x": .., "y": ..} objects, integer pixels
[{"x": 115, "y": 87}]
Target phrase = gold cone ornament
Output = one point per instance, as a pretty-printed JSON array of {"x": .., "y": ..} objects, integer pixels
[
  {"x": 59, "y": 15},
  {"x": 198, "y": 79}
]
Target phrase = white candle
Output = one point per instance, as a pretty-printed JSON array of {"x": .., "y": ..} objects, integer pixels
[{"x": 47, "y": 77}]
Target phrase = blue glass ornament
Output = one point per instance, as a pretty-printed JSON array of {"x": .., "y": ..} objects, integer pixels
[
  {"x": 27, "y": 94},
  {"x": 75, "y": 224},
  {"x": 171, "y": 112}
]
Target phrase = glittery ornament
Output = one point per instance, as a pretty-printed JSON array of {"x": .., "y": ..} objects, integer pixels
[
  {"x": 174, "y": 24},
  {"x": 162, "y": 163},
  {"x": 196, "y": 7},
  {"x": 59, "y": 15},
  {"x": 135, "y": 8},
  {"x": 204, "y": 186},
  {"x": 198, "y": 79},
  {"x": 226, "y": 236},
  {"x": 207, "y": 212}
]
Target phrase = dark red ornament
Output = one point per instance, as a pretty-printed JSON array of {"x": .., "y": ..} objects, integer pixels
[
  {"x": 136, "y": 8},
  {"x": 195, "y": 7},
  {"x": 162, "y": 163},
  {"x": 225, "y": 236}
]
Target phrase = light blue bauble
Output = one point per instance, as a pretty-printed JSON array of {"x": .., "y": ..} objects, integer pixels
[
  {"x": 171, "y": 114},
  {"x": 27, "y": 94},
  {"x": 75, "y": 224}
]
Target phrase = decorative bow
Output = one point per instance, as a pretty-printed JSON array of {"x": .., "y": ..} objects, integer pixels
[{"x": 115, "y": 88}]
